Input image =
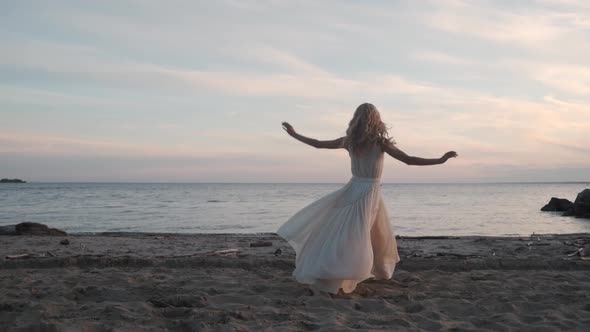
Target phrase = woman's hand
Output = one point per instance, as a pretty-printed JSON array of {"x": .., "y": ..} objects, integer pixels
[
  {"x": 449, "y": 155},
  {"x": 288, "y": 128}
]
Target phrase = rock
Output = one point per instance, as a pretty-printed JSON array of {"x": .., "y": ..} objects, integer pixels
[
  {"x": 8, "y": 230},
  {"x": 65, "y": 242},
  {"x": 581, "y": 206},
  {"x": 30, "y": 228},
  {"x": 33, "y": 228},
  {"x": 557, "y": 204}
]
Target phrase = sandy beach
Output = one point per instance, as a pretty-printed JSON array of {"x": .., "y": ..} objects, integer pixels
[{"x": 168, "y": 282}]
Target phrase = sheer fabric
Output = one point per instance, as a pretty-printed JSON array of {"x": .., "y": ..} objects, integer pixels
[{"x": 345, "y": 237}]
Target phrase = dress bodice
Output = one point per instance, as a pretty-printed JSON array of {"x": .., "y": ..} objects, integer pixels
[{"x": 367, "y": 163}]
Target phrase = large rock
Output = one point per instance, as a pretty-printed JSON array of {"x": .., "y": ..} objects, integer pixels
[
  {"x": 581, "y": 207},
  {"x": 8, "y": 230},
  {"x": 30, "y": 228},
  {"x": 557, "y": 204}
]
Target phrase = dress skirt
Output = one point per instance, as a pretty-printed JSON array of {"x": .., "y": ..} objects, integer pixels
[{"x": 343, "y": 238}]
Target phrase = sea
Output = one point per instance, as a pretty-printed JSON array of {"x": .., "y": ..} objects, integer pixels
[{"x": 495, "y": 209}]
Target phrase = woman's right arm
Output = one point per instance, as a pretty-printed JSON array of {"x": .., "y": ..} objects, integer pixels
[
  {"x": 333, "y": 144},
  {"x": 398, "y": 154}
]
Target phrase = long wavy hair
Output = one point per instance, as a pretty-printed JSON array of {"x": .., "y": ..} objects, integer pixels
[{"x": 366, "y": 128}]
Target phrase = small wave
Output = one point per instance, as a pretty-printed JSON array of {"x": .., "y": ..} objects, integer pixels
[
  {"x": 217, "y": 227},
  {"x": 214, "y": 201}
]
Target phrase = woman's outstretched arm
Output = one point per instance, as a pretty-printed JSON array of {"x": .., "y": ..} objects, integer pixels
[
  {"x": 416, "y": 161},
  {"x": 333, "y": 144}
]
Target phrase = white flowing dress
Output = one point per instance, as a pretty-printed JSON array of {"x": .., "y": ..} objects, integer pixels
[{"x": 345, "y": 237}]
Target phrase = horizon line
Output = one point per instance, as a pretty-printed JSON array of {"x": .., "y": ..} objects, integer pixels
[{"x": 216, "y": 182}]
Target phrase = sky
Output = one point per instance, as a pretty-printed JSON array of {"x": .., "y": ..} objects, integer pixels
[{"x": 195, "y": 91}]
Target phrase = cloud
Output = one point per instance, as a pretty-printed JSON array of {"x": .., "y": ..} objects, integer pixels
[
  {"x": 284, "y": 60},
  {"x": 41, "y": 97},
  {"x": 52, "y": 145},
  {"x": 575, "y": 147},
  {"x": 292, "y": 75},
  {"x": 483, "y": 20},
  {"x": 566, "y": 78},
  {"x": 577, "y": 109},
  {"x": 443, "y": 58}
]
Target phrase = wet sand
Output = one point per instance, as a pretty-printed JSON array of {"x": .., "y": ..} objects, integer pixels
[{"x": 155, "y": 282}]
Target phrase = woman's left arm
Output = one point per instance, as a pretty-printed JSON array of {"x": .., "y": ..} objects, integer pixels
[{"x": 398, "y": 154}]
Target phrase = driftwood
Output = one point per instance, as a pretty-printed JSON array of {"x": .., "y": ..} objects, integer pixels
[
  {"x": 27, "y": 256},
  {"x": 452, "y": 254},
  {"x": 537, "y": 244},
  {"x": 426, "y": 237},
  {"x": 439, "y": 254},
  {"x": 576, "y": 253},
  {"x": 225, "y": 252},
  {"x": 21, "y": 256}
]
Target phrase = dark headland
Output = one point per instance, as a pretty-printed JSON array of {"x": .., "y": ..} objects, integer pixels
[{"x": 12, "y": 181}]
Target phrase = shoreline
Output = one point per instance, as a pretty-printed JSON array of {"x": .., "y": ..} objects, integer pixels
[
  {"x": 256, "y": 234},
  {"x": 137, "y": 249},
  {"x": 344, "y": 180},
  {"x": 273, "y": 234},
  {"x": 213, "y": 282}
]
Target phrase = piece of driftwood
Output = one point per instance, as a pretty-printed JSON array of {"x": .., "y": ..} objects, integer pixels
[
  {"x": 225, "y": 252},
  {"x": 21, "y": 256},
  {"x": 261, "y": 244},
  {"x": 538, "y": 244},
  {"x": 452, "y": 254},
  {"x": 414, "y": 254},
  {"x": 426, "y": 237},
  {"x": 576, "y": 253},
  {"x": 45, "y": 254}
]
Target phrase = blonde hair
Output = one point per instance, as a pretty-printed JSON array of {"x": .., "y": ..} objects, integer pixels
[{"x": 366, "y": 128}]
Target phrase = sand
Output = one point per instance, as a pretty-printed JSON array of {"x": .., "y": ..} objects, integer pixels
[{"x": 159, "y": 282}]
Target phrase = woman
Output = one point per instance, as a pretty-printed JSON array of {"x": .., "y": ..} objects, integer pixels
[{"x": 345, "y": 237}]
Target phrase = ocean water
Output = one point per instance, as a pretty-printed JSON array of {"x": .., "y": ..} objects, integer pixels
[{"x": 414, "y": 209}]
